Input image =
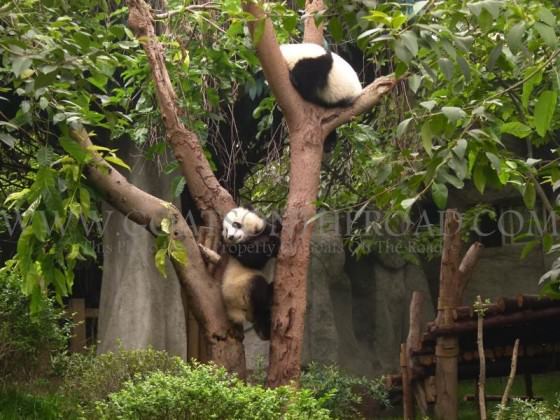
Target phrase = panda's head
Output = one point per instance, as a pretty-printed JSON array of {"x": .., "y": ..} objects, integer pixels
[{"x": 240, "y": 225}]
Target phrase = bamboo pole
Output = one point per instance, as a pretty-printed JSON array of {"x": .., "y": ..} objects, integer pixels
[{"x": 505, "y": 397}]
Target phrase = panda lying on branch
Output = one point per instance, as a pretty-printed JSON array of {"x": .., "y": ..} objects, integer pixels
[
  {"x": 322, "y": 78},
  {"x": 252, "y": 244}
]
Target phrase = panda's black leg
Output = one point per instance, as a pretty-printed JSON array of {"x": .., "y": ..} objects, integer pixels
[{"x": 261, "y": 302}]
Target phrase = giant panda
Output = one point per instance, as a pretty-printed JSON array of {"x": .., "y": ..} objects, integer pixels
[
  {"x": 320, "y": 76},
  {"x": 251, "y": 244}
]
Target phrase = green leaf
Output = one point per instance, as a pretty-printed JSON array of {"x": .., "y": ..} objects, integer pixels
[
  {"x": 411, "y": 42},
  {"x": 160, "y": 259},
  {"x": 446, "y": 67},
  {"x": 530, "y": 84},
  {"x": 429, "y": 105},
  {"x": 117, "y": 161},
  {"x": 514, "y": 36},
  {"x": 529, "y": 195},
  {"x": 529, "y": 246},
  {"x": 73, "y": 149},
  {"x": 494, "y": 161},
  {"x": 516, "y": 128},
  {"x": 544, "y": 111},
  {"x": 8, "y": 139},
  {"x": 403, "y": 126},
  {"x": 479, "y": 178},
  {"x": 402, "y": 52},
  {"x": 465, "y": 68},
  {"x": 179, "y": 252},
  {"x": 460, "y": 148},
  {"x": 39, "y": 225},
  {"x": 336, "y": 29},
  {"x": 547, "y": 16},
  {"x": 178, "y": 185},
  {"x": 494, "y": 55},
  {"x": 20, "y": 64},
  {"x": 453, "y": 113},
  {"x": 17, "y": 196},
  {"x": 406, "y": 204},
  {"x": 427, "y": 136},
  {"x": 85, "y": 200},
  {"x": 492, "y": 6},
  {"x": 166, "y": 225},
  {"x": 547, "y": 242},
  {"x": 414, "y": 82},
  {"x": 547, "y": 34},
  {"x": 439, "y": 194}
]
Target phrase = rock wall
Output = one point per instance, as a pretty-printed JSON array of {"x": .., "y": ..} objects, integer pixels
[
  {"x": 138, "y": 307},
  {"x": 357, "y": 311}
]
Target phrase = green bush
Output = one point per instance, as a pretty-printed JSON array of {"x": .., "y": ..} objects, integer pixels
[
  {"x": 532, "y": 410},
  {"x": 22, "y": 405},
  {"x": 89, "y": 378},
  {"x": 207, "y": 392},
  {"x": 26, "y": 341},
  {"x": 341, "y": 393}
]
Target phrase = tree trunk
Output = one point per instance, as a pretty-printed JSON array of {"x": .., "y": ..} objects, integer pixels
[{"x": 290, "y": 284}]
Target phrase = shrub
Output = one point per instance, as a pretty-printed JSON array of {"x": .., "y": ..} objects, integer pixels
[
  {"x": 89, "y": 378},
  {"x": 17, "y": 404},
  {"x": 26, "y": 341},
  {"x": 206, "y": 392},
  {"x": 342, "y": 394},
  {"x": 532, "y": 410}
]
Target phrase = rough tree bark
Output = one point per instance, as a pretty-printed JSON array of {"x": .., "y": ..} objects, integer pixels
[{"x": 308, "y": 125}]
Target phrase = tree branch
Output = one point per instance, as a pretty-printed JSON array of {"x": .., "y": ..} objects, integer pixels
[
  {"x": 311, "y": 32},
  {"x": 203, "y": 292},
  {"x": 509, "y": 384},
  {"x": 275, "y": 68},
  {"x": 205, "y": 189},
  {"x": 371, "y": 95}
]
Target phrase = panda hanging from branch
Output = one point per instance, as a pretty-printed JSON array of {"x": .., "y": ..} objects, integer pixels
[{"x": 251, "y": 242}]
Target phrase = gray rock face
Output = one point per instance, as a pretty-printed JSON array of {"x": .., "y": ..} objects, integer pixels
[
  {"x": 138, "y": 307},
  {"x": 501, "y": 272},
  {"x": 357, "y": 313}
]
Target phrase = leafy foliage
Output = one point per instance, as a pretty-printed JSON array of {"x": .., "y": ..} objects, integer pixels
[
  {"x": 27, "y": 342},
  {"x": 89, "y": 378},
  {"x": 206, "y": 391},
  {"x": 341, "y": 393},
  {"x": 68, "y": 63},
  {"x": 21, "y": 405},
  {"x": 531, "y": 410}
]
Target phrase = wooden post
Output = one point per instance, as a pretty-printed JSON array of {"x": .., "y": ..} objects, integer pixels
[
  {"x": 77, "y": 308},
  {"x": 414, "y": 343},
  {"x": 482, "y": 359},
  {"x": 408, "y": 406},
  {"x": 454, "y": 275},
  {"x": 447, "y": 347}
]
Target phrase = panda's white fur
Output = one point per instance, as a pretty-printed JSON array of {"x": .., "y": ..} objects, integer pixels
[
  {"x": 236, "y": 290},
  {"x": 239, "y": 224},
  {"x": 252, "y": 244},
  {"x": 320, "y": 76}
]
